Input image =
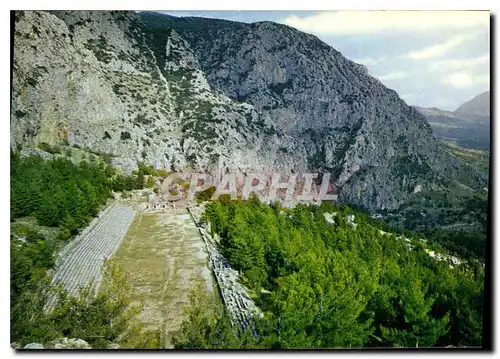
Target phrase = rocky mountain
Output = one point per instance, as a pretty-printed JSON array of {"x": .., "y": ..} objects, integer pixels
[
  {"x": 196, "y": 93},
  {"x": 468, "y": 125},
  {"x": 477, "y": 108},
  {"x": 90, "y": 79},
  {"x": 378, "y": 147},
  {"x": 434, "y": 112}
]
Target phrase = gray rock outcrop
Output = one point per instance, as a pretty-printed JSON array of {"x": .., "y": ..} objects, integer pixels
[
  {"x": 61, "y": 343},
  {"x": 201, "y": 93},
  {"x": 90, "y": 79},
  {"x": 33, "y": 346},
  {"x": 378, "y": 148},
  {"x": 65, "y": 343}
]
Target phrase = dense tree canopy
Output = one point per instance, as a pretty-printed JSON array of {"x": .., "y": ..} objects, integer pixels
[
  {"x": 319, "y": 285},
  {"x": 61, "y": 194},
  {"x": 57, "y": 192},
  {"x": 326, "y": 286}
]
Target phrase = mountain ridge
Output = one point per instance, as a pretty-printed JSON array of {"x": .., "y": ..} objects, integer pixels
[
  {"x": 329, "y": 103},
  {"x": 469, "y": 125},
  {"x": 236, "y": 96},
  {"x": 477, "y": 106}
]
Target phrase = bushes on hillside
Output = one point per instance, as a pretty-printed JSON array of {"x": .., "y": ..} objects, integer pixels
[
  {"x": 331, "y": 286},
  {"x": 57, "y": 192}
]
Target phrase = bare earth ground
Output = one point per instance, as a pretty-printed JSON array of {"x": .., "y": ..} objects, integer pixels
[{"x": 164, "y": 257}]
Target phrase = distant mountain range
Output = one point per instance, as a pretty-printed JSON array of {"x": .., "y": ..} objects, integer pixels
[
  {"x": 478, "y": 107},
  {"x": 468, "y": 125}
]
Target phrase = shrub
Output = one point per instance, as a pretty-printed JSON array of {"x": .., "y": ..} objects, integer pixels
[
  {"x": 125, "y": 136},
  {"x": 44, "y": 146}
]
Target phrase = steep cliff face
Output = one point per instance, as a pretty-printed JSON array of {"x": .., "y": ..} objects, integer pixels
[
  {"x": 68, "y": 78},
  {"x": 200, "y": 93},
  {"x": 90, "y": 79},
  {"x": 380, "y": 149}
]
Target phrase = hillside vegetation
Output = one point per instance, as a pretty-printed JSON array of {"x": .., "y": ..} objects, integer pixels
[
  {"x": 60, "y": 198},
  {"x": 325, "y": 285}
]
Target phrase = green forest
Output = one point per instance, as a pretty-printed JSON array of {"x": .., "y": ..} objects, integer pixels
[
  {"x": 328, "y": 286},
  {"x": 59, "y": 193},
  {"x": 319, "y": 285},
  {"x": 65, "y": 196}
]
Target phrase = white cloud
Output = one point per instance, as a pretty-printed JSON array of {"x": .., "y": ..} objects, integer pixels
[
  {"x": 396, "y": 75},
  {"x": 458, "y": 79},
  {"x": 465, "y": 79},
  {"x": 369, "y": 61},
  {"x": 482, "y": 79},
  {"x": 481, "y": 62},
  {"x": 437, "y": 50},
  {"x": 369, "y": 22}
]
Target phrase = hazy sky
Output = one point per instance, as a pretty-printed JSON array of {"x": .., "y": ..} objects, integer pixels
[{"x": 431, "y": 58}]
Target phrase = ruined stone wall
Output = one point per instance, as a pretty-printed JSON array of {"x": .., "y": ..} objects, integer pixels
[{"x": 235, "y": 296}]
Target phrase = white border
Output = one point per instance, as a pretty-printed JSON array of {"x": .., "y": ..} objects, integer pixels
[{"x": 190, "y": 5}]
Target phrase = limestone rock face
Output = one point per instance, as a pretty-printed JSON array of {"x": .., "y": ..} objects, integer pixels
[
  {"x": 203, "y": 94},
  {"x": 65, "y": 343},
  {"x": 67, "y": 79},
  {"x": 91, "y": 79},
  {"x": 33, "y": 346},
  {"x": 350, "y": 124}
]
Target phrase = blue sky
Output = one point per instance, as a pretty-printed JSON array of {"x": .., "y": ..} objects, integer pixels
[{"x": 431, "y": 58}]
